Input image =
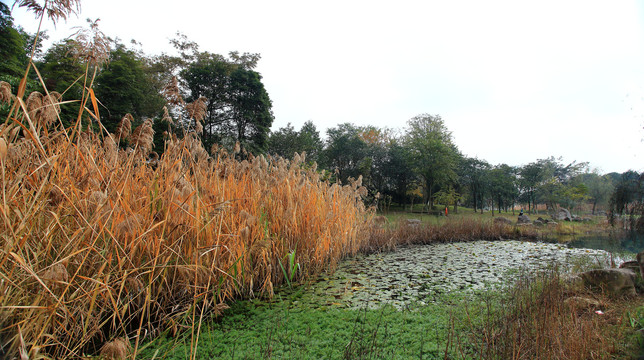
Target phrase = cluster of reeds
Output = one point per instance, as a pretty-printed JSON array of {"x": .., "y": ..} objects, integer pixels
[
  {"x": 534, "y": 322},
  {"x": 451, "y": 230},
  {"x": 102, "y": 246}
]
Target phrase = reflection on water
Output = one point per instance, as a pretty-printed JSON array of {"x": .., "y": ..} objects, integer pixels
[{"x": 630, "y": 242}]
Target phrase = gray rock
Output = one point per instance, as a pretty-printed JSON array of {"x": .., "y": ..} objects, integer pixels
[
  {"x": 538, "y": 222},
  {"x": 640, "y": 261},
  {"x": 562, "y": 214},
  {"x": 573, "y": 283},
  {"x": 613, "y": 282},
  {"x": 412, "y": 222},
  {"x": 502, "y": 220},
  {"x": 582, "y": 303},
  {"x": 523, "y": 219},
  {"x": 632, "y": 265}
]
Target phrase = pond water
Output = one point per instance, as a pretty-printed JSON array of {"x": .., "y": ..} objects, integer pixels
[
  {"x": 627, "y": 242},
  {"x": 424, "y": 273}
]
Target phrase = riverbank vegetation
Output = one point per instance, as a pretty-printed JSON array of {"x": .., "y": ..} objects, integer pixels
[
  {"x": 140, "y": 196},
  {"x": 529, "y": 319}
]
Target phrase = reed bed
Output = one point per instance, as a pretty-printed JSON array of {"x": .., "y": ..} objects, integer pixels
[
  {"x": 534, "y": 322},
  {"x": 384, "y": 237},
  {"x": 103, "y": 247}
]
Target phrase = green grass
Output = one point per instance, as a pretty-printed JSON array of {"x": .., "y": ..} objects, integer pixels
[{"x": 282, "y": 330}]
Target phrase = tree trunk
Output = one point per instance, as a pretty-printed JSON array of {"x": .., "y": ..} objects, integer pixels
[{"x": 481, "y": 198}]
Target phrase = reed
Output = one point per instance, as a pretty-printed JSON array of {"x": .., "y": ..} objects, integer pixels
[
  {"x": 383, "y": 237},
  {"x": 100, "y": 244},
  {"x": 532, "y": 321}
]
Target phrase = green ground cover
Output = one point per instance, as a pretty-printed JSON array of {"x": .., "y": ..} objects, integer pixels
[{"x": 280, "y": 330}]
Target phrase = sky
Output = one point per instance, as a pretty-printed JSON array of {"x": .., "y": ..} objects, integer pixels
[{"x": 514, "y": 81}]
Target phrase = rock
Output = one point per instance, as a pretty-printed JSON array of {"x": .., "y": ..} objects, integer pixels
[
  {"x": 412, "y": 222},
  {"x": 523, "y": 219},
  {"x": 614, "y": 282},
  {"x": 502, "y": 220},
  {"x": 380, "y": 221},
  {"x": 640, "y": 261},
  {"x": 538, "y": 222},
  {"x": 573, "y": 283},
  {"x": 582, "y": 303},
  {"x": 562, "y": 214},
  {"x": 545, "y": 221},
  {"x": 632, "y": 265}
]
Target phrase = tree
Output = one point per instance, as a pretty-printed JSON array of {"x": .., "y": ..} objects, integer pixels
[
  {"x": 434, "y": 155},
  {"x": 628, "y": 190},
  {"x": 502, "y": 183},
  {"x": 62, "y": 73},
  {"x": 125, "y": 86},
  {"x": 310, "y": 141},
  {"x": 559, "y": 187},
  {"x": 286, "y": 141},
  {"x": 238, "y": 108},
  {"x": 472, "y": 174},
  {"x": 399, "y": 171},
  {"x": 346, "y": 152},
  {"x": 531, "y": 176},
  {"x": 599, "y": 188},
  {"x": 251, "y": 115},
  {"x": 13, "y": 56}
]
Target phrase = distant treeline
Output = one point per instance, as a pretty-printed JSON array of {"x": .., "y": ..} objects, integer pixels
[{"x": 224, "y": 100}]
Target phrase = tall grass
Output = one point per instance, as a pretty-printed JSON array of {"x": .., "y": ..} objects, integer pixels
[
  {"x": 533, "y": 321},
  {"x": 383, "y": 237},
  {"x": 100, "y": 244}
]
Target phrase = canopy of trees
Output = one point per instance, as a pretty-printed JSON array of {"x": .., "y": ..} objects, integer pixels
[{"x": 223, "y": 100}]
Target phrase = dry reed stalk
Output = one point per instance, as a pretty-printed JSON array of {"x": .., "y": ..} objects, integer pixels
[
  {"x": 166, "y": 116},
  {"x": 3, "y": 149},
  {"x": 197, "y": 109},
  {"x": 172, "y": 93},
  {"x": 113, "y": 222},
  {"x": 91, "y": 45},
  {"x": 143, "y": 137},
  {"x": 54, "y": 9},
  {"x": 5, "y": 92},
  {"x": 124, "y": 128},
  {"x": 118, "y": 348}
]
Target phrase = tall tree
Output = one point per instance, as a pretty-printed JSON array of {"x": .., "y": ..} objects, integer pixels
[
  {"x": 346, "y": 152},
  {"x": 434, "y": 154},
  {"x": 599, "y": 188},
  {"x": 472, "y": 174},
  {"x": 125, "y": 85},
  {"x": 13, "y": 56},
  {"x": 286, "y": 141},
  {"x": 531, "y": 176},
  {"x": 503, "y": 190},
  {"x": 238, "y": 108}
]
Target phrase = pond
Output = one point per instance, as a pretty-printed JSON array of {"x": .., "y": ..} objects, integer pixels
[
  {"x": 623, "y": 242},
  {"x": 420, "y": 274}
]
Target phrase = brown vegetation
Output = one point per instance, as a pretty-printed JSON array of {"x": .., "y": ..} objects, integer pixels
[
  {"x": 535, "y": 322},
  {"x": 99, "y": 244}
]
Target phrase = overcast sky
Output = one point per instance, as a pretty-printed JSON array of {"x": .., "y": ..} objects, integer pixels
[{"x": 515, "y": 81}]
